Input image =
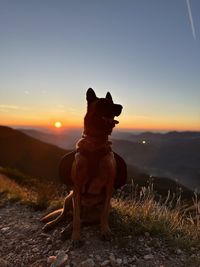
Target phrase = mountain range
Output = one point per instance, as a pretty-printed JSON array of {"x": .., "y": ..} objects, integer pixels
[
  {"x": 174, "y": 154},
  {"x": 146, "y": 160}
]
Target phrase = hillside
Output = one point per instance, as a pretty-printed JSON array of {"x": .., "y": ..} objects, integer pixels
[
  {"x": 173, "y": 155},
  {"x": 65, "y": 140},
  {"x": 41, "y": 160},
  {"x": 178, "y": 160},
  {"x": 29, "y": 155}
]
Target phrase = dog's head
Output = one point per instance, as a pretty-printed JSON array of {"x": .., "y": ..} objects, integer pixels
[{"x": 99, "y": 119}]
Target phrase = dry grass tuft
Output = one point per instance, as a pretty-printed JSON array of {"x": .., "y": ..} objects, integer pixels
[
  {"x": 36, "y": 195},
  {"x": 178, "y": 224}
]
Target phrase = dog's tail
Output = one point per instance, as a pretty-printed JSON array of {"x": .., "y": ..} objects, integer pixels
[{"x": 60, "y": 213}]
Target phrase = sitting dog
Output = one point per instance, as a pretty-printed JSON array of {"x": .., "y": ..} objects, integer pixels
[{"x": 92, "y": 171}]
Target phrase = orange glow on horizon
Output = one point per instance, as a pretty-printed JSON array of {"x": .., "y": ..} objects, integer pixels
[{"x": 124, "y": 124}]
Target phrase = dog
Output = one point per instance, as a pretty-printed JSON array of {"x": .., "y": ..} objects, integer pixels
[{"x": 92, "y": 171}]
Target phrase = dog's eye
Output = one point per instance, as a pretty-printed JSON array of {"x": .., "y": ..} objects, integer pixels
[{"x": 117, "y": 109}]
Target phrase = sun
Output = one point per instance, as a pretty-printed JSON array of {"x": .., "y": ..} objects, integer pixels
[{"x": 58, "y": 124}]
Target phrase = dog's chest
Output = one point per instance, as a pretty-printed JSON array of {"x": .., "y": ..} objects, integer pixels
[{"x": 95, "y": 181}]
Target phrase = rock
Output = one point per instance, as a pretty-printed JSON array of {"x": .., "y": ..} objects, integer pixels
[
  {"x": 35, "y": 250},
  {"x": 51, "y": 259},
  {"x": 112, "y": 260},
  {"x": 118, "y": 262},
  {"x": 148, "y": 257},
  {"x": 48, "y": 240},
  {"x": 147, "y": 234},
  {"x": 39, "y": 263},
  {"x": 98, "y": 257},
  {"x": 61, "y": 259},
  {"x": 179, "y": 251},
  {"x": 105, "y": 263},
  {"x": 3, "y": 263},
  {"x": 4, "y": 229},
  {"x": 125, "y": 261},
  {"x": 148, "y": 249},
  {"x": 87, "y": 263},
  {"x": 132, "y": 259}
]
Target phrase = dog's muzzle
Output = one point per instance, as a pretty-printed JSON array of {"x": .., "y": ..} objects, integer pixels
[{"x": 110, "y": 121}]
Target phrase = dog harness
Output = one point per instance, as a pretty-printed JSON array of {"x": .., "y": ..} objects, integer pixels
[{"x": 94, "y": 158}]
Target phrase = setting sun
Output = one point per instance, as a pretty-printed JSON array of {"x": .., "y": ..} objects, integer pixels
[{"x": 58, "y": 124}]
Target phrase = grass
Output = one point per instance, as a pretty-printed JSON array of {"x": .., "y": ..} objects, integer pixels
[
  {"x": 27, "y": 190},
  {"x": 137, "y": 213},
  {"x": 178, "y": 224}
]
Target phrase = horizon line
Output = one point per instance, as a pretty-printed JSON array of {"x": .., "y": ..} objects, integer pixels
[{"x": 124, "y": 129}]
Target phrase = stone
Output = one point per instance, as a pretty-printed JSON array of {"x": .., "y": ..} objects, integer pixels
[
  {"x": 48, "y": 240},
  {"x": 3, "y": 263},
  {"x": 98, "y": 257},
  {"x": 148, "y": 257},
  {"x": 87, "y": 263},
  {"x": 61, "y": 259},
  {"x": 147, "y": 234},
  {"x": 105, "y": 263},
  {"x": 125, "y": 261},
  {"x": 4, "y": 229},
  {"x": 118, "y": 262},
  {"x": 112, "y": 260},
  {"x": 51, "y": 259},
  {"x": 38, "y": 263},
  {"x": 148, "y": 249},
  {"x": 35, "y": 250},
  {"x": 178, "y": 251}
]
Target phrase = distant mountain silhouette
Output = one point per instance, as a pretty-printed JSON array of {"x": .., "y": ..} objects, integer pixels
[
  {"x": 176, "y": 156},
  {"x": 163, "y": 138},
  {"x": 29, "y": 155},
  {"x": 173, "y": 154},
  {"x": 41, "y": 160},
  {"x": 66, "y": 140}
]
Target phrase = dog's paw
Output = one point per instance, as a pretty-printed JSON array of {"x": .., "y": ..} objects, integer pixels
[
  {"x": 76, "y": 239},
  {"x": 106, "y": 235},
  {"x": 77, "y": 243}
]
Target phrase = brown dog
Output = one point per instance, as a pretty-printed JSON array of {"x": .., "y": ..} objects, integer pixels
[{"x": 92, "y": 173}]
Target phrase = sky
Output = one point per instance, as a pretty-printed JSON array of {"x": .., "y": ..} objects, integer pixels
[{"x": 145, "y": 52}]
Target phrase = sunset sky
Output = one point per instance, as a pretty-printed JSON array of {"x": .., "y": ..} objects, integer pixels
[{"x": 145, "y": 52}]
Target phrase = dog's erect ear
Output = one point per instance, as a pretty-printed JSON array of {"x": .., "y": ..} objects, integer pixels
[
  {"x": 90, "y": 95},
  {"x": 108, "y": 96}
]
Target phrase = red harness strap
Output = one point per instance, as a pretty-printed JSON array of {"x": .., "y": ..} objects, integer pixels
[{"x": 93, "y": 158}]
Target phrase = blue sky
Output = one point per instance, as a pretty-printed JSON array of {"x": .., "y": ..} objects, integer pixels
[{"x": 144, "y": 52}]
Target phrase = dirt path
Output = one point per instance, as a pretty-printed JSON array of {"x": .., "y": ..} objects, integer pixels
[{"x": 22, "y": 243}]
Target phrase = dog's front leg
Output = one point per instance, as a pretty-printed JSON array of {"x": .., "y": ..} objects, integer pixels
[
  {"x": 105, "y": 229},
  {"x": 109, "y": 168}
]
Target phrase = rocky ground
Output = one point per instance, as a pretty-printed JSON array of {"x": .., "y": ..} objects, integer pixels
[{"x": 22, "y": 243}]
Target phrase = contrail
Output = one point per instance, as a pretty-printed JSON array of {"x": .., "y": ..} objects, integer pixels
[{"x": 191, "y": 19}]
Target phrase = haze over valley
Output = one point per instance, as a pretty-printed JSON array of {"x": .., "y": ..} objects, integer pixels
[{"x": 173, "y": 155}]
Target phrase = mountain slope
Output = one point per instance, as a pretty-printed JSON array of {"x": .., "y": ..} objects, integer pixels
[
  {"x": 178, "y": 159},
  {"x": 29, "y": 155}
]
